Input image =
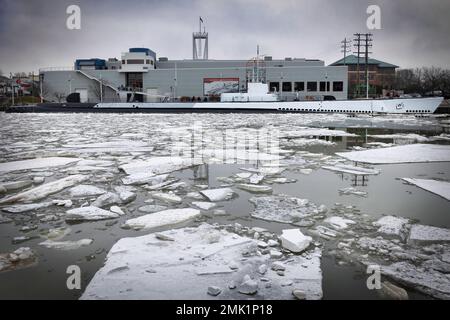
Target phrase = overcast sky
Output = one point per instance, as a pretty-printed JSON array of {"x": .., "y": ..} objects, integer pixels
[{"x": 33, "y": 33}]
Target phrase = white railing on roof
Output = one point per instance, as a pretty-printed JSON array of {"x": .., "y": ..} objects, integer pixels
[{"x": 56, "y": 69}]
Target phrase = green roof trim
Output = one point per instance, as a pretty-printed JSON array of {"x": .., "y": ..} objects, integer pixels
[{"x": 352, "y": 59}]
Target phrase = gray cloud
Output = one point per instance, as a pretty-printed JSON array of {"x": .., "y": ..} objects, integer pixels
[{"x": 33, "y": 33}]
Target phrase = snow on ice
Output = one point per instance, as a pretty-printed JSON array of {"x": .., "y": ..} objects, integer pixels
[
  {"x": 190, "y": 267},
  {"x": 401, "y": 154},
  {"x": 441, "y": 188}
]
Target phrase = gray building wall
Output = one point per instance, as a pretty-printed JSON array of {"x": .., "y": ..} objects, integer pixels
[{"x": 189, "y": 75}]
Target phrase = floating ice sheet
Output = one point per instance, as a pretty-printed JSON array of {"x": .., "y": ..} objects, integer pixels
[
  {"x": 441, "y": 188},
  {"x": 157, "y": 165},
  {"x": 283, "y": 208},
  {"x": 190, "y": 264},
  {"x": 401, "y": 154},
  {"x": 36, "y": 163},
  {"x": 45, "y": 189},
  {"x": 162, "y": 218},
  {"x": 352, "y": 170}
]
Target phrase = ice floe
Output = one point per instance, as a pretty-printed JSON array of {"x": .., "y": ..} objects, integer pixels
[
  {"x": 284, "y": 208},
  {"x": 433, "y": 283},
  {"x": 162, "y": 218},
  {"x": 157, "y": 165},
  {"x": 21, "y": 258},
  {"x": 89, "y": 213},
  {"x": 66, "y": 245},
  {"x": 46, "y": 189},
  {"x": 427, "y": 234},
  {"x": 14, "y": 185},
  {"x": 36, "y": 163},
  {"x": 441, "y": 188},
  {"x": 191, "y": 267},
  {"x": 339, "y": 223},
  {"x": 20, "y": 208},
  {"x": 204, "y": 205},
  {"x": 168, "y": 197},
  {"x": 83, "y": 190},
  {"x": 352, "y": 170},
  {"x": 401, "y": 154},
  {"x": 294, "y": 240},
  {"x": 220, "y": 194},
  {"x": 393, "y": 226},
  {"x": 255, "y": 188}
]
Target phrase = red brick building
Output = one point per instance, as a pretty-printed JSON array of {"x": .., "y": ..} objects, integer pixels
[{"x": 381, "y": 75}]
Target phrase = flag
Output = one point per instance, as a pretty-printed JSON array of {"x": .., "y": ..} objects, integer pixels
[{"x": 201, "y": 19}]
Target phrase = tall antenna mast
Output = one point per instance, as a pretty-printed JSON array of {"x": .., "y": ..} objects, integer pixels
[{"x": 200, "y": 42}]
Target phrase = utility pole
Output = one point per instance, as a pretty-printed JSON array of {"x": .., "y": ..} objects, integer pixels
[
  {"x": 358, "y": 54},
  {"x": 368, "y": 44},
  {"x": 12, "y": 89},
  {"x": 345, "y": 48}
]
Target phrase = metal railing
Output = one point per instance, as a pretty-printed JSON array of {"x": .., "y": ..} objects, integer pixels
[{"x": 56, "y": 69}]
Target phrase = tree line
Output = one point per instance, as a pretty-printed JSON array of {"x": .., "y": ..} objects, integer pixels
[{"x": 425, "y": 81}]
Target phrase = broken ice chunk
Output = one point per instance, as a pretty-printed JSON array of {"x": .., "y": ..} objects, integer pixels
[
  {"x": 295, "y": 241},
  {"x": 421, "y": 234},
  {"x": 157, "y": 165},
  {"x": 66, "y": 245},
  {"x": 283, "y": 208},
  {"x": 45, "y": 189},
  {"x": 84, "y": 190},
  {"x": 204, "y": 205},
  {"x": 106, "y": 199},
  {"x": 36, "y": 163},
  {"x": 167, "y": 197},
  {"x": 20, "y": 208},
  {"x": 339, "y": 223},
  {"x": 14, "y": 185},
  {"x": 255, "y": 188},
  {"x": 89, "y": 213},
  {"x": 162, "y": 218},
  {"x": 393, "y": 226},
  {"x": 218, "y": 194}
]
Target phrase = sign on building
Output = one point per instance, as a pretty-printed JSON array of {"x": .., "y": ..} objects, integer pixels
[{"x": 216, "y": 86}]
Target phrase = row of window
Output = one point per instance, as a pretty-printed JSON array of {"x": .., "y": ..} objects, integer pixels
[
  {"x": 343, "y": 111},
  {"x": 137, "y": 61},
  {"x": 311, "y": 86},
  {"x": 323, "y": 110},
  {"x": 418, "y": 111}
]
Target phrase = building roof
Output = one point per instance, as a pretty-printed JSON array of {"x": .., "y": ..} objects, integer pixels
[{"x": 353, "y": 60}]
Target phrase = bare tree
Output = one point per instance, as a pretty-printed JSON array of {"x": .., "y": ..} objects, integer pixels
[{"x": 59, "y": 96}]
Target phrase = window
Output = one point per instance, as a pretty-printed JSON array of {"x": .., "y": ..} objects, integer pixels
[
  {"x": 135, "y": 61},
  {"x": 311, "y": 86},
  {"x": 299, "y": 86},
  {"x": 147, "y": 61},
  {"x": 322, "y": 86},
  {"x": 287, "y": 86},
  {"x": 274, "y": 86},
  {"x": 123, "y": 62},
  {"x": 338, "y": 86}
]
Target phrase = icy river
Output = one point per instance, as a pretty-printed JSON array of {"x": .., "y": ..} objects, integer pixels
[{"x": 193, "y": 206}]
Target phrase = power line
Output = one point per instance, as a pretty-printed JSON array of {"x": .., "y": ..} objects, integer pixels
[{"x": 363, "y": 41}]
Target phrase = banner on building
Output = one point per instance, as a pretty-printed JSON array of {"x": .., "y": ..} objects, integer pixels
[{"x": 216, "y": 86}]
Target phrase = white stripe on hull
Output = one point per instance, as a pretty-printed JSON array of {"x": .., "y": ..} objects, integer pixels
[{"x": 399, "y": 106}]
